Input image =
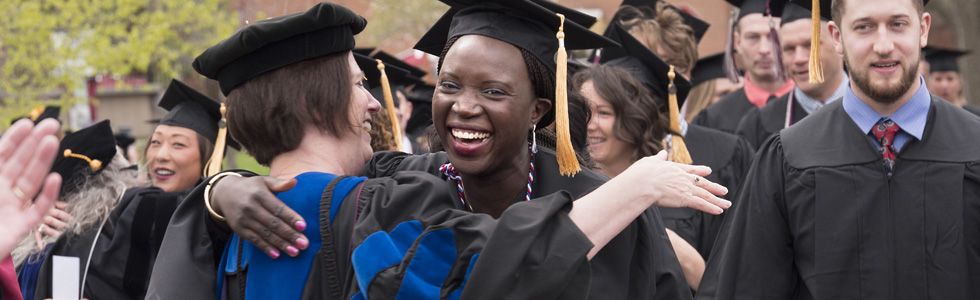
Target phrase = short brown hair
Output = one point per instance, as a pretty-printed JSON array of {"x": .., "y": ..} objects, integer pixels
[
  {"x": 638, "y": 119},
  {"x": 667, "y": 29},
  {"x": 837, "y": 9},
  {"x": 266, "y": 114}
]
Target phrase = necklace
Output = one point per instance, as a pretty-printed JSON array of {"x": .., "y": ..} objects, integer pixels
[{"x": 454, "y": 175}]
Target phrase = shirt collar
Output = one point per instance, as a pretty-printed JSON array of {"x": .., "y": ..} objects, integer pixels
[
  {"x": 759, "y": 96},
  {"x": 809, "y": 104},
  {"x": 911, "y": 117}
]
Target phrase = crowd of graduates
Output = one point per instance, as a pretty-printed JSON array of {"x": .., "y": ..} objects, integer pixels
[{"x": 826, "y": 154}]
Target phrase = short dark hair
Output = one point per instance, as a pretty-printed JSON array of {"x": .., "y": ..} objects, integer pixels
[
  {"x": 638, "y": 118},
  {"x": 266, "y": 114},
  {"x": 837, "y": 9}
]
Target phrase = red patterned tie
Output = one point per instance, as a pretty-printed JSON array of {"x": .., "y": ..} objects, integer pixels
[{"x": 885, "y": 133}]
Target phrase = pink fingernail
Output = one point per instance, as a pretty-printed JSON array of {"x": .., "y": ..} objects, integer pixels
[
  {"x": 303, "y": 243},
  {"x": 292, "y": 251},
  {"x": 274, "y": 254},
  {"x": 300, "y": 225}
]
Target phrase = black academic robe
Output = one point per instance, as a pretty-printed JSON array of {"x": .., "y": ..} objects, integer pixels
[
  {"x": 726, "y": 113},
  {"x": 972, "y": 109},
  {"x": 820, "y": 217},
  {"x": 728, "y": 156},
  {"x": 531, "y": 251},
  {"x": 127, "y": 245},
  {"x": 758, "y": 124}
]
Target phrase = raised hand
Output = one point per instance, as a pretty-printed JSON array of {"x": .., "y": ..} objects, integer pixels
[{"x": 26, "y": 155}]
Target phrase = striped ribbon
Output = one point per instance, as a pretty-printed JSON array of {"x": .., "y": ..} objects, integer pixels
[{"x": 451, "y": 172}]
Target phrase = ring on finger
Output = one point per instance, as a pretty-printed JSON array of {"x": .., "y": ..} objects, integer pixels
[
  {"x": 18, "y": 193},
  {"x": 697, "y": 179}
]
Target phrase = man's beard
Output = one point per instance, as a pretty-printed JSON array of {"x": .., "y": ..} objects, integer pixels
[{"x": 884, "y": 95}]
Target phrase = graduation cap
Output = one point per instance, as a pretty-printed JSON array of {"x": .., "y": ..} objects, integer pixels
[
  {"x": 658, "y": 76},
  {"x": 84, "y": 153},
  {"x": 649, "y": 8},
  {"x": 708, "y": 68},
  {"x": 943, "y": 60},
  {"x": 764, "y": 7},
  {"x": 391, "y": 60},
  {"x": 273, "y": 43},
  {"x": 400, "y": 73},
  {"x": 39, "y": 113},
  {"x": 531, "y": 27},
  {"x": 190, "y": 109},
  {"x": 794, "y": 12}
]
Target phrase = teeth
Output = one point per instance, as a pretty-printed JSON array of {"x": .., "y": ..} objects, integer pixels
[
  {"x": 470, "y": 135},
  {"x": 164, "y": 172},
  {"x": 366, "y": 125},
  {"x": 593, "y": 141},
  {"x": 885, "y": 65}
]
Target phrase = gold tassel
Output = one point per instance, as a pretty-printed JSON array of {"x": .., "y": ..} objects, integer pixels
[
  {"x": 816, "y": 68},
  {"x": 567, "y": 162},
  {"x": 95, "y": 164},
  {"x": 36, "y": 113},
  {"x": 214, "y": 163},
  {"x": 390, "y": 107},
  {"x": 678, "y": 149}
]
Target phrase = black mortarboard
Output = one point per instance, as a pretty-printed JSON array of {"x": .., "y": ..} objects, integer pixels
[
  {"x": 391, "y": 60},
  {"x": 84, "y": 152},
  {"x": 398, "y": 76},
  {"x": 277, "y": 42},
  {"x": 794, "y": 12},
  {"x": 943, "y": 60},
  {"x": 825, "y": 11},
  {"x": 764, "y": 7},
  {"x": 39, "y": 113},
  {"x": 521, "y": 23},
  {"x": 649, "y": 7},
  {"x": 645, "y": 66},
  {"x": 124, "y": 139},
  {"x": 190, "y": 109},
  {"x": 708, "y": 68}
]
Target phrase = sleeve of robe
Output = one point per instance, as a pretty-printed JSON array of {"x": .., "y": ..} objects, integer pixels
[
  {"x": 408, "y": 240},
  {"x": 753, "y": 256},
  {"x": 186, "y": 267}
]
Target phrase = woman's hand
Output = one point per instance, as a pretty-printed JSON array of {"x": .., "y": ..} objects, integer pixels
[
  {"x": 56, "y": 220},
  {"x": 255, "y": 214},
  {"x": 670, "y": 184},
  {"x": 26, "y": 155}
]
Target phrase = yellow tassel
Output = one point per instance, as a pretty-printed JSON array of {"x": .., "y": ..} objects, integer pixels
[
  {"x": 816, "y": 68},
  {"x": 95, "y": 164},
  {"x": 567, "y": 162},
  {"x": 678, "y": 149},
  {"x": 390, "y": 107},
  {"x": 214, "y": 163},
  {"x": 36, "y": 113}
]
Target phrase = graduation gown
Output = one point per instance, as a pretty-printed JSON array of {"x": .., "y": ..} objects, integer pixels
[
  {"x": 728, "y": 156},
  {"x": 726, "y": 113},
  {"x": 127, "y": 245},
  {"x": 819, "y": 217},
  {"x": 759, "y": 124},
  {"x": 533, "y": 250},
  {"x": 972, "y": 109}
]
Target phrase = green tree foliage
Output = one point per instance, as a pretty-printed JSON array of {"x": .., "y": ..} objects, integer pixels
[
  {"x": 49, "y": 47},
  {"x": 397, "y": 24}
]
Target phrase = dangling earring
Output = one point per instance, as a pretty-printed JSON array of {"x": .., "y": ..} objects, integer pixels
[{"x": 534, "y": 138}]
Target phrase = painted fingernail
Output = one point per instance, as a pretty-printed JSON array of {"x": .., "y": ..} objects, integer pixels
[
  {"x": 274, "y": 254},
  {"x": 302, "y": 243},
  {"x": 300, "y": 225},
  {"x": 292, "y": 251}
]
